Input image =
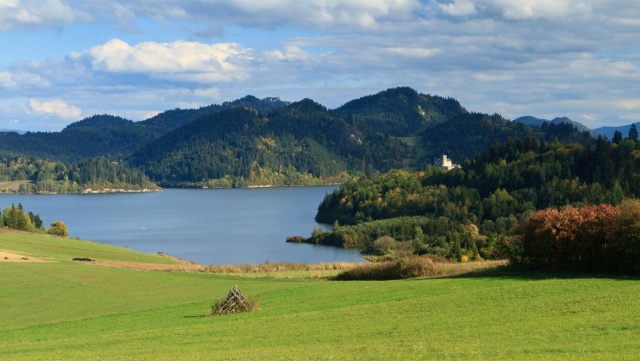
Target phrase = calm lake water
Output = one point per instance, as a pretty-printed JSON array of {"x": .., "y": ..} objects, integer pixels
[{"x": 208, "y": 226}]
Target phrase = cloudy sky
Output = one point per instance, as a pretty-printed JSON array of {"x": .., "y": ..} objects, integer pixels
[{"x": 63, "y": 60}]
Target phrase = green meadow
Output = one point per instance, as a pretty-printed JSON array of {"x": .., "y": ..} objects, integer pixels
[{"x": 64, "y": 310}]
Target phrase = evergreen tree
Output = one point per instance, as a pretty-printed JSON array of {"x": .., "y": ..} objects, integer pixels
[
  {"x": 617, "y": 137},
  {"x": 633, "y": 132}
]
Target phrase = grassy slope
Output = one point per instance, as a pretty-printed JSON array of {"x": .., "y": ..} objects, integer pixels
[
  {"x": 64, "y": 310},
  {"x": 65, "y": 249}
]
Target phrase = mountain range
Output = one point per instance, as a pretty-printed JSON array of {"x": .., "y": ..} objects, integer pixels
[
  {"x": 533, "y": 121},
  {"x": 603, "y": 131},
  {"x": 268, "y": 141}
]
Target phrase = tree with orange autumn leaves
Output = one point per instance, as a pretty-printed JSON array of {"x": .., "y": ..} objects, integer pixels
[{"x": 594, "y": 238}]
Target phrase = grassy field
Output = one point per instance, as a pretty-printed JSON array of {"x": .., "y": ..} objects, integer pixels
[
  {"x": 11, "y": 186},
  {"x": 64, "y": 310}
]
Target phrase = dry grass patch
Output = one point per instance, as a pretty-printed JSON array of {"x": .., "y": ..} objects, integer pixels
[
  {"x": 455, "y": 269},
  {"x": 283, "y": 269},
  {"x": 9, "y": 256},
  {"x": 144, "y": 266},
  {"x": 414, "y": 267},
  {"x": 11, "y": 186}
]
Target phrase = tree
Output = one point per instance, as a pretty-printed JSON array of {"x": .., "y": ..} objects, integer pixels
[
  {"x": 617, "y": 137},
  {"x": 58, "y": 228},
  {"x": 633, "y": 132},
  {"x": 456, "y": 250},
  {"x": 383, "y": 245},
  {"x": 418, "y": 240}
]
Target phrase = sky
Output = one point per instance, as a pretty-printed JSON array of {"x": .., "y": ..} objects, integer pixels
[{"x": 64, "y": 60}]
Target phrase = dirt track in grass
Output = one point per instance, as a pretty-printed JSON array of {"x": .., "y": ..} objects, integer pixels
[{"x": 8, "y": 256}]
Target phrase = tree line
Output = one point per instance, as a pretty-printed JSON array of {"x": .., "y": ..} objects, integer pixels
[
  {"x": 46, "y": 176},
  {"x": 17, "y": 218}
]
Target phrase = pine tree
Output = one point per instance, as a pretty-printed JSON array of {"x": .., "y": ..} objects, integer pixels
[
  {"x": 617, "y": 137},
  {"x": 633, "y": 132}
]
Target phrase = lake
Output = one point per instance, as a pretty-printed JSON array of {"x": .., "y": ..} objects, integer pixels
[{"x": 208, "y": 226}]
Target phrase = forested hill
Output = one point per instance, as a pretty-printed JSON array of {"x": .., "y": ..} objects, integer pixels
[
  {"x": 253, "y": 141},
  {"x": 536, "y": 122},
  {"x": 100, "y": 135},
  {"x": 465, "y": 211},
  {"x": 401, "y": 112},
  {"x": 471, "y": 134},
  {"x": 172, "y": 119},
  {"x": 115, "y": 138},
  {"x": 303, "y": 143}
]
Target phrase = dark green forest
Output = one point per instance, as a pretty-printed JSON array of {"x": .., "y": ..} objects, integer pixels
[
  {"x": 111, "y": 137},
  {"x": 471, "y": 134},
  {"x": 303, "y": 143},
  {"x": 470, "y": 211},
  {"x": 259, "y": 142},
  {"x": 400, "y": 112}
]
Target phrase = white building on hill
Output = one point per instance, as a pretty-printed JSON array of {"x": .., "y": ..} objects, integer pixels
[{"x": 446, "y": 162}]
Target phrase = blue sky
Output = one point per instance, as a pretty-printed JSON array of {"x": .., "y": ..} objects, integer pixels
[{"x": 64, "y": 60}]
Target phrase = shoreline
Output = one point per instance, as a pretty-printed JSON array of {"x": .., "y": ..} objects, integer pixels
[
  {"x": 160, "y": 189},
  {"x": 119, "y": 190}
]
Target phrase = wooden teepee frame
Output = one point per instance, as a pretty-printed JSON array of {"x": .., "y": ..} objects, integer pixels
[{"x": 234, "y": 303}]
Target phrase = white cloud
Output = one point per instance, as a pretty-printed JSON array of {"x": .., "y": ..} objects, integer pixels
[
  {"x": 22, "y": 79},
  {"x": 37, "y": 13},
  {"x": 458, "y": 8},
  {"x": 556, "y": 57},
  {"x": 57, "y": 108},
  {"x": 289, "y": 54},
  {"x": 271, "y": 14},
  {"x": 410, "y": 52},
  {"x": 561, "y": 10},
  {"x": 179, "y": 61},
  {"x": 556, "y": 10},
  {"x": 629, "y": 104},
  {"x": 484, "y": 77}
]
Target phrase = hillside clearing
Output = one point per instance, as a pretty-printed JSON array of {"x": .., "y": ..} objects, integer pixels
[{"x": 11, "y": 186}]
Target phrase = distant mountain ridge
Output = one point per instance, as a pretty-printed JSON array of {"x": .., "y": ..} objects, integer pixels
[
  {"x": 252, "y": 141},
  {"x": 533, "y": 121},
  {"x": 12, "y": 131},
  {"x": 116, "y": 137},
  {"x": 609, "y": 131}
]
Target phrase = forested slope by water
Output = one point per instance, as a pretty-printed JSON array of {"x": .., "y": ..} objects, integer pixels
[{"x": 468, "y": 211}]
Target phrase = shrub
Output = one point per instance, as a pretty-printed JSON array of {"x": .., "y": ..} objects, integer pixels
[
  {"x": 295, "y": 239},
  {"x": 383, "y": 245},
  {"x": 600, "y": 238},
  {"x": 414, "y": 267},
  {"x": 410, "y": 267},
  {"x": 58, "y": 228}
]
